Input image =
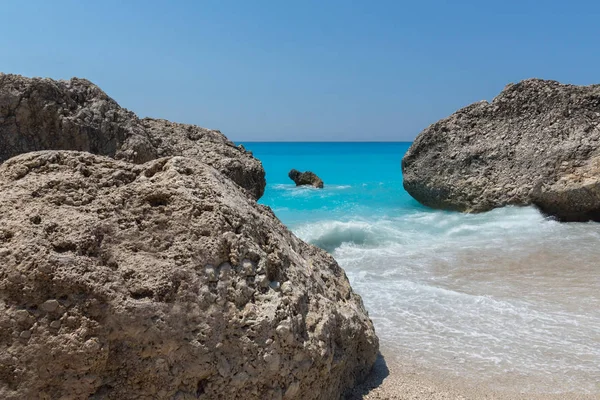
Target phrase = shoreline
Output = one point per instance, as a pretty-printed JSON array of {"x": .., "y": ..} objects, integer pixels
[{"x": 390, "y": 380}]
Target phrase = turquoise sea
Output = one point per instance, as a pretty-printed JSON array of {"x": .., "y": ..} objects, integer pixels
[{"x": 508, "y": 299}]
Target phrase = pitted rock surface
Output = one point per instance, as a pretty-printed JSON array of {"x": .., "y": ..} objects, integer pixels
[
  {"x": 535, "y": 143},
  {"x": 164, "y": 280},
  {"x": 44, "y": 114}
]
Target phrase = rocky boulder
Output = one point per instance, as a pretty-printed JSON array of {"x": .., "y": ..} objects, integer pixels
[
  {"x": 305, "y": 178},
  {"x": 537, "y": 142},
  {"x": 44, "y": 114},
  {"x": 164, "y": 280}
]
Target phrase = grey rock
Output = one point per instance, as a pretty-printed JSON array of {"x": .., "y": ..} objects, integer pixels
[
  {"x": 305, "y": 178},
  {"x": 44, "y": 114},
  {"x": 575, "y": 196},
  {"x": 150, "y": 264},
  {"x": 535, "y": 143},
  {"x": 25, "y": 334},
  {"x": 50, "y": 305}
]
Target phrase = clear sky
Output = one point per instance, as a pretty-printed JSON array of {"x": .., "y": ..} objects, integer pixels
[{"x": 303, "y": 69}]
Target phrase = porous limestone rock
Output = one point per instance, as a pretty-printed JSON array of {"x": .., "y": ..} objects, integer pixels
[
  {"x": 305, "y": 178},
  {"x": 163, "y": 280},
  {"x": 535, "y": 143},
  {"x": 574, "y": 196},
  {"x": 44, "y": 114}
]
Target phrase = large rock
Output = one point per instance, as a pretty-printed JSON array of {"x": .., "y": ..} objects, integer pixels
[
  {"x": 535, "y": 143},
  {"x": 43, "y": 114},
  {"x": 307, "y": 178},
  {"x": 164, "y": 280}
]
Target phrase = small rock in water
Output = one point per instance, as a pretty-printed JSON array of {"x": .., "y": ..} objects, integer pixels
[{"x": 305, "y": 178}]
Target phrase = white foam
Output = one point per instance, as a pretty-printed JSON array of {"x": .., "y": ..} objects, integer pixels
[
  {"x": 330, "y": 235},
  {"x": 291, "y": 186},
  {"x": 507, "y": 292}
]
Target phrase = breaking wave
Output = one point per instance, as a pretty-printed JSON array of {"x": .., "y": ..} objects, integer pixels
[{"x": 504, "y": 294}]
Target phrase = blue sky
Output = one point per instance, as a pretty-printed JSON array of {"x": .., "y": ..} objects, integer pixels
[{"x": 302, "y": 70}]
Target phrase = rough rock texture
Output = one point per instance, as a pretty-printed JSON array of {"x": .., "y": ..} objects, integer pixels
[
  {"x": 535, "y": 143},
  {"x": 575, "y": 196},
  {"x": 305, "y": 178},
  {"x": 164, "y": 280},
  {"x": 43, "y": 114}
]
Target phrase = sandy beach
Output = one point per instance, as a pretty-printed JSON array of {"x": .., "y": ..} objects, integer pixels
[{"x": 393, "y": 381}]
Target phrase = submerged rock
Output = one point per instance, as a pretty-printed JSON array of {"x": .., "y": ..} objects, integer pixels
[
  {"x": 305, "y": 178},
  {"x": 537, "y": 142},
  {"x": 44, "y": 114},
  {"x": 164, "y": 280}
]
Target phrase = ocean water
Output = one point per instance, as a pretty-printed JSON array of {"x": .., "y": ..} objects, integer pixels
[{"x": 508, "y": 299}]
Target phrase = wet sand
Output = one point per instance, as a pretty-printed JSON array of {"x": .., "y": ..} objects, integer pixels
[{"x": 390, "y": 380}]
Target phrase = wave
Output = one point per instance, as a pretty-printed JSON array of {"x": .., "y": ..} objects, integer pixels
[
  {"x": 427, "y": 227},
  {"x": 508, "y": 292},
  {"x": 329, "y": 235}
]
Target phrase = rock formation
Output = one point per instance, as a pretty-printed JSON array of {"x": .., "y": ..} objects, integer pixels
[
  {"x": 43, "y": 114},
  {"x": 305, "y": 178},
  {"x": 161, "y": 280},
  {"x": 538, "y": 142}
]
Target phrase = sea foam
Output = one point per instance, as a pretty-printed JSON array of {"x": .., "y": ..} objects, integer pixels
[{"x": 504, "y": 293}]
